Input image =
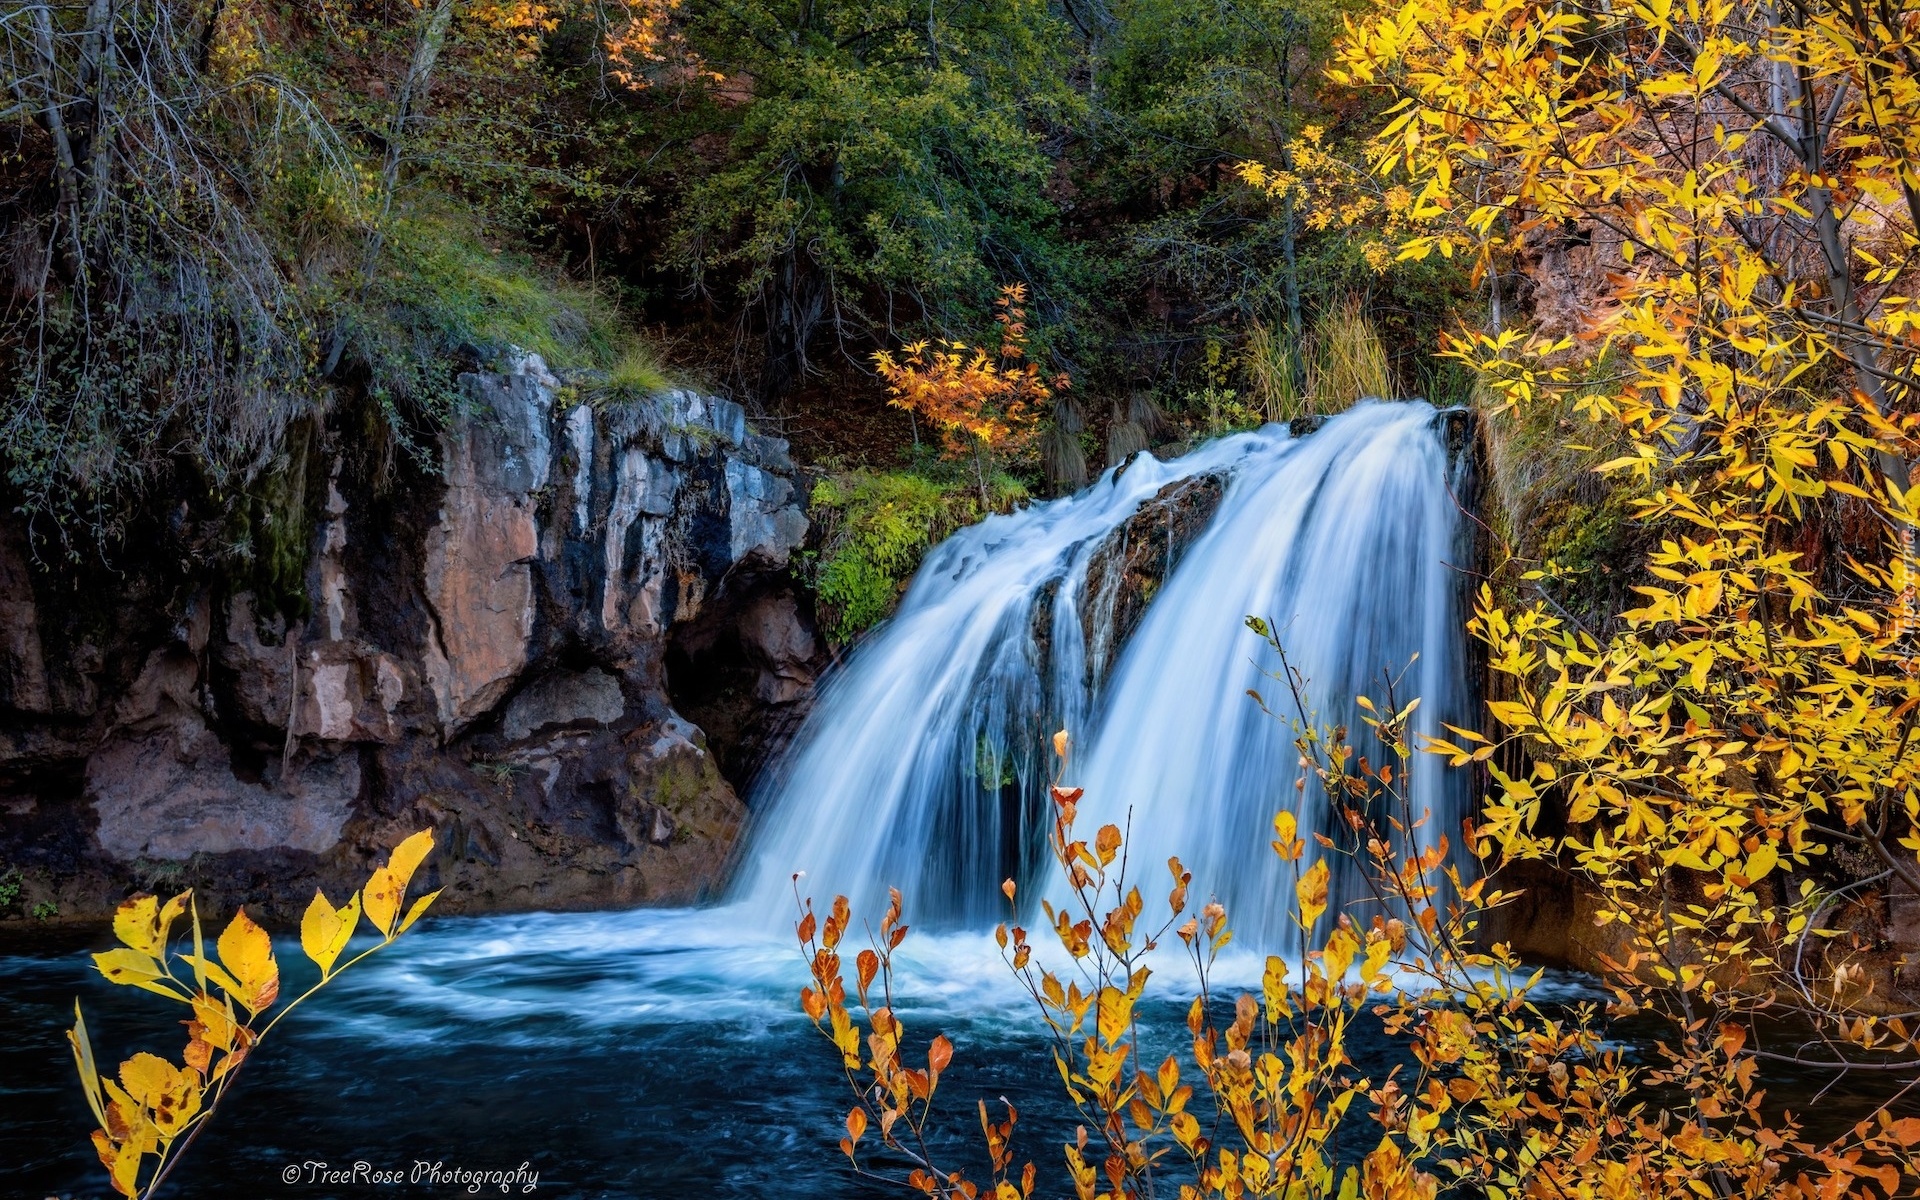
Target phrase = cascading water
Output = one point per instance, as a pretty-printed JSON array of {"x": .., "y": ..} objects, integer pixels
[
  {"x": 923, "y": 764},
  {"x": 1345, "y": 543}
]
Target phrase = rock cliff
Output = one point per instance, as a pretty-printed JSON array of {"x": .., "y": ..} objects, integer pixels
[{"x": 481, "y": 648}]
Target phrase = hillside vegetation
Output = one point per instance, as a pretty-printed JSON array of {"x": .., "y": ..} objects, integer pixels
[{"x": 226, "y": 218}]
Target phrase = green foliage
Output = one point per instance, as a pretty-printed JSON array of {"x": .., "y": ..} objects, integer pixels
[
  {"x": 884, "y": 153},
  {"x": 635, "y": 375},
  {"x": 1551, "y": 513},
  {"x": 205, "y": 269},
  {"x": 871, "y": 174},
  {"x": 775, "y": 175},
  {"x": 876, "y": 527},
  {"x": 9, "y": 888}
]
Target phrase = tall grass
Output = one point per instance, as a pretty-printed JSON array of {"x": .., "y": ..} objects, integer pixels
[
  {"x": 1347, "y": 361},
  {"x": 1341, "y": 361},
  {"x": 1274, "y": 373}
]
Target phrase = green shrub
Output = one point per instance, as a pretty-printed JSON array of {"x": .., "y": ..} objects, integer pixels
[{"x": 876, "y": 527}]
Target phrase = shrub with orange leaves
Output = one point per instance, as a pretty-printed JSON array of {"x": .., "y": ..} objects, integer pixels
[
  {"x": 983, "y": 405},
  {"x": 152, "y": 1110}
]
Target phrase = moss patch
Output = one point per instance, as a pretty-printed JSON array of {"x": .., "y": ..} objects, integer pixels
[{"x": 875, "y": 528}]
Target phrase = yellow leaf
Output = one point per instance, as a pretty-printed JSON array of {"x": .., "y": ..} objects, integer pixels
[
  {"x": 318, "y": 927},
  {"x": 1185, "y": 1130},
  {"x": 199, "y": 947},
  {"x": 83, "y": 1062},
  {"x": 1312, "y": 893},
  {"x": 382, "y": 900},
  {"x": 170, "y": 1094},
  {"x": 130, "y": 968},
  {"x": 1761, "y": 862},
  {"x": 419, "y": 908},
  {"x": 1339, "y": 954},
  {"x": 1286, "y": 840},
  {"x": 217, "y": 1025},
  {"x": 247, "y": 953},
  {"x": 1115, "y": 1014},
  {"x": 1273, "y": 986},
  {"x": 325, "y": 930},
  {"x": 211, "y": 972},
  {"x": 408, "y": 856},
  {"x": 148, "y": 1078},
  {"x": 126, "y": 1169},
  {"x": 1167, "y": 1078},
  {"x": 133, "y": 923}
]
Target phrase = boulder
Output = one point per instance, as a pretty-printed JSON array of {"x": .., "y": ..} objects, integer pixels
[
  {"x": 564, "y": 698},
  {"x": 171, "y": 792}
]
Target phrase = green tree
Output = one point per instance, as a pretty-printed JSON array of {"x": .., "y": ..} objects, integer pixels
[{"x": 883, "y": 165}]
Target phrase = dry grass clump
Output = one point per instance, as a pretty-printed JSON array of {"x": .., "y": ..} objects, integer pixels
[{"x": 1341, "y": 362}]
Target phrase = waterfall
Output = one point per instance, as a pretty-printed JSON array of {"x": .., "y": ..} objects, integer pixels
[{"x": 924, "y": 762}]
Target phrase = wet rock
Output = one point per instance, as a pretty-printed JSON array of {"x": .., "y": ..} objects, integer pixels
[
  {"x": 168, "y": 685},
  {"x": 256, "y": 664},
  {"x": 635, "y": 545},
  {"x": 1130, "y": 565},
  {"x": 768, "y": 453},
  {"x": 766, "y": 525},
  {"x": 479, "y": 575},
  {"x": 482, "y": 649},
  {"x": 745, "y": 673},
  {"x": 354, "y": 692},
  {"x": 781, "y": 643},
  {"x": 172, "y": 793},
  {"x": 1460, "y": 427}
]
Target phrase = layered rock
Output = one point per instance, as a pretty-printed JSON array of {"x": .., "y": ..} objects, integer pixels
[{"x": 483, "y": 652}]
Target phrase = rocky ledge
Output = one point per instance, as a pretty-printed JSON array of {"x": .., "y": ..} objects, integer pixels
[{"x": 485, "y": 654}]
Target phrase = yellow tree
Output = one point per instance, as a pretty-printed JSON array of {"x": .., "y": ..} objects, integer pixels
[{"x": 1746, "y": 176}]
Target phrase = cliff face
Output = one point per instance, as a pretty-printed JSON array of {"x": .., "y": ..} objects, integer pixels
[{"x": 485, "y": 654}]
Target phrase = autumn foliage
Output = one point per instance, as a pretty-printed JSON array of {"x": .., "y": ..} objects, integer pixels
[
  {"x": 153, "y": 1109},
  {"x": 1500, "y": 1092},
  {"x": 1748, "y": 174},
  {"x": 984, "y": 405}
]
